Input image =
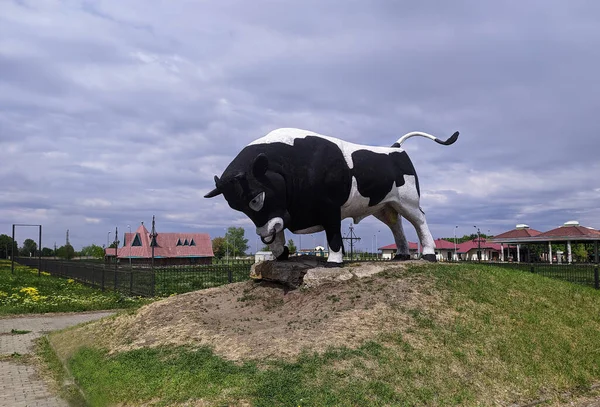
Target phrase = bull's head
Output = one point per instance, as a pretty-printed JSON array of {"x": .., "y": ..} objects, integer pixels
[{"x": 260, "y": 193}]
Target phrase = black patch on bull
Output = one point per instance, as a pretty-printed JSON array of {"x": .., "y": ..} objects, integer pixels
[
  {"x": 309, "y": 180},
  {"x": 376, "y": 172}
]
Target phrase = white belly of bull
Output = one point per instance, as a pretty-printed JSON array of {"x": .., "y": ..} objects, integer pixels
[{"x": 357, "y": 206}]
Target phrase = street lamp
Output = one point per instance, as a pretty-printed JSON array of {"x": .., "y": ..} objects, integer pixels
[
  {"x": 130, "y": 244},
  {"x": 108, "y": 240},
  {"x": 455, "y": 227},
  {"x": 478, "y": 243}
]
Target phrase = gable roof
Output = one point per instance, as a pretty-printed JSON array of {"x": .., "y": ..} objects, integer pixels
[
  {"x": 575, "y": 231},
  {"x": 477, "y": 244},
  {"x": 518, "y": 233},
  {"x": 166, "y": 245}
]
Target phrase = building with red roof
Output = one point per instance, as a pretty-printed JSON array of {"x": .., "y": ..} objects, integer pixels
[
  {"x": 479, "y": 249},
  {"x": 169, "y": 249},
  {"x": 570, "y": 232},
  {"x": 444, "y": 250}
]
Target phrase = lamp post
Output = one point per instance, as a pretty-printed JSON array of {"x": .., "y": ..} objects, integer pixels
[
  {"x": 107, "y": 242},
  {"x": 478, "y": 243},
  {"x": 226, "y": 246},
  {"x": 130, "y": 244},
  {"x": 455, "y": 227}
]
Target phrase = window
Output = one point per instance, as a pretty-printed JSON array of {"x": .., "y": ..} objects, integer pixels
[
  {"x": 192, "y": 243},
  {"x": 136, "y": 240},
  {"x": 186, "y": 243},
  {"x": 178, "y": 242}
]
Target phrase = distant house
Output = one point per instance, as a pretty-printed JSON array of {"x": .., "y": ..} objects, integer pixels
[
  {"x": 444, "y": 250},
  {"x": 479, "y": 249},
  {"x": 263, "y": 256},
  {"x": 170, "y": 248}
]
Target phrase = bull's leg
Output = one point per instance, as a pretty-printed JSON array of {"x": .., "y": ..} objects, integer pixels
[
  {"x": 278, "y": 247},
  {"x": 333, "y": 231},
  {"x": 393, "y": 220},
  {"x": 416, "y": 217}
]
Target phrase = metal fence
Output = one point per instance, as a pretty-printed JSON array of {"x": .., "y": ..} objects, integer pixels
[
  {"x": 578, "y": 273},
  {"x": 141, "y": 280}
]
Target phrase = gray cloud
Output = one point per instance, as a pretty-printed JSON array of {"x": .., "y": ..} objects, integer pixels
[{"x": 111, "y": 112}]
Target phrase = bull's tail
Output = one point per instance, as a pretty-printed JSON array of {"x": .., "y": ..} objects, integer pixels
[{"x": 447, "y": 142}]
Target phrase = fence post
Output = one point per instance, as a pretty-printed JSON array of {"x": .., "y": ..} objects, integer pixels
[
  {"x": 229, "y": 275},
  {"x": 596, "y": 279},
  {"x": 532, "y": 269},
  {"x": 153, "y": 287},
  {"x": 103, "y": 276},
  {"x": 130, "y": 281}
]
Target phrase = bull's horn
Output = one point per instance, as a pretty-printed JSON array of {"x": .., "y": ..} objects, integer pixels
[{"x": 215, "y": 191}]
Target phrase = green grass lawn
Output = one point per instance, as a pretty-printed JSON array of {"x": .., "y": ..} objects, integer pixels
[
  {"x": 26, "y": 292},
  {"x": 495, "y": 337}
]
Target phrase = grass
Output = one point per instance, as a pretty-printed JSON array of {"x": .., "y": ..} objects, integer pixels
[
  {"x": 25, "y": 292},
  {"x": 495, "y": 336},
  {"x": 53, "y": 368},
  {"x": 177, "y": 280}
]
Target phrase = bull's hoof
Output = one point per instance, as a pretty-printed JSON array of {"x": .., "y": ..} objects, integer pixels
[
  {"x": 285, "y": 255},
  {"x": 429, "y": 257},
  {"x": 401, "y": 257}
]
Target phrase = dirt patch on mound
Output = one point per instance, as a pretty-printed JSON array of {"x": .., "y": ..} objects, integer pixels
[{"x": 253, "y": 320}]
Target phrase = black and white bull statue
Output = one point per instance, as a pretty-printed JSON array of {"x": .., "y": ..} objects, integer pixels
[{"x": 306, "y": 182}]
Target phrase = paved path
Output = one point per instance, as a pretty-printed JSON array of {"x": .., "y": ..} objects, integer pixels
[{"x": 20, "y": 385}]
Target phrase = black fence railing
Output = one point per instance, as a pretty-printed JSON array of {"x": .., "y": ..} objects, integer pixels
[
  {"x": 578, "y": 273},
  {"x": 142, "y": 280}
]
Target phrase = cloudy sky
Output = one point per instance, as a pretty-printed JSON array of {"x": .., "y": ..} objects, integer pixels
[{"x": 113, "y": 111}]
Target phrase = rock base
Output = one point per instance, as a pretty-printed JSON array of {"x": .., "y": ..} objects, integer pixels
[
  {"x": 309, "y": 271},
  {"x": 287, "y": 272}
]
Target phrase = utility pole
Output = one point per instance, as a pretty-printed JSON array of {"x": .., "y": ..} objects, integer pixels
[
  {"x": 351, "y": 237},
  {"x": 116, "y": 253},
  {"x": 478, "y": 244}
]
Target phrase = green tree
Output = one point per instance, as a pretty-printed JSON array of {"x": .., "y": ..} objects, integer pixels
[
  {"x": 218, "y": 246},
  {"x": 5, "y": 246},
  {"x": 92, "y": 251},
  {"x": 291, "y": 246},
  {"x": 66, "y": 252},
  {"x": 235, "y": 241},
  {"x": 29, "y": 248},
  {"x": 579, "y": 253},
  {"x": 47, "y": 252}
]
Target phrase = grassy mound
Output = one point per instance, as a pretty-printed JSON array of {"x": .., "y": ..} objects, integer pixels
[{"x": 415, "y": 335}]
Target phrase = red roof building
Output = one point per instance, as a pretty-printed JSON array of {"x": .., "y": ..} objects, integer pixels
[
  {"x": 170, "y": 248},
  {"x": 570, "y": 232},
  {"x": 443, "y": 249}
]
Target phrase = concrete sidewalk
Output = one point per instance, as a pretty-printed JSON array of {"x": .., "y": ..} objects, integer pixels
[{"x": 20, "y": 385}]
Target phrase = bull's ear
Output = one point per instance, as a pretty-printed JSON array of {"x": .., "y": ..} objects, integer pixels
[
  {"x": 215, "y": 191},
  {"x": 260, "y": 165}
]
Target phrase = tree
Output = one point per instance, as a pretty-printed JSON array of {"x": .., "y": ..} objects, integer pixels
[
  {"x": 29, "y": 248},
  {"x": 218, "y": 246},
  {"x": 92, "y": 251},
  {"x": 47, "y": 252},
  {"x": 291, "y": 246},
  {"x": 235, "y": 241},
  {"x": 579, "y": 253},
  {"x": 66, "y": 252},
  {"x": 6, "y": 244}
]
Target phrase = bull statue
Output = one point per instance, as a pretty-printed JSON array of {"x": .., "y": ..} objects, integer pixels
[{"x": 307, "y": 183}]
